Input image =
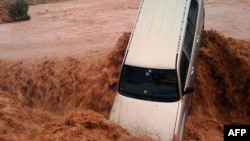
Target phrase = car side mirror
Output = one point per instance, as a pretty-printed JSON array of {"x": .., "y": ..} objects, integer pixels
[{"x": 188, "y": 90}]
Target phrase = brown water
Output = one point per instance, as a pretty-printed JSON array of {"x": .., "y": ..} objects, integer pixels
[{"x": 71, "y": 99}]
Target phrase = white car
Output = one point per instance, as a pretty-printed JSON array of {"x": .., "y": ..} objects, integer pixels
[{"x": 158, "y": 70}]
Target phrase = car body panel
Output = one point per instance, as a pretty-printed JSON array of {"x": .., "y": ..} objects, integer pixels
[
  {"x": 143, "y": 118},
  {"x": 183, "y": 111},
  {"x": 155, "y": 36}
]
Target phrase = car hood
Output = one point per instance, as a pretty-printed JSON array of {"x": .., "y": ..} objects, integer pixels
[{"x": 145, "y": 118}]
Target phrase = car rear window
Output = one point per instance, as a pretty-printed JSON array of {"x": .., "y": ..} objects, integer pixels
[{"x": 148, "y": 83}]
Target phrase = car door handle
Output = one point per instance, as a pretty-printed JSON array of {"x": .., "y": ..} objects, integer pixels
[
  {"x": 197, "y": 38},
  {"x": 192, "y": 70}
]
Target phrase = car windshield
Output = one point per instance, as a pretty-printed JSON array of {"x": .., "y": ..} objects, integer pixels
[{"x": 149, "y": 84}]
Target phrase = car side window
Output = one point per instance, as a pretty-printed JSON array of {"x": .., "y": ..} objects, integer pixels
[
  {"x": 184, "y": 64},
  {"x": 188, "y": 41},
  {"x": 190, "y": 29},
  {"x": 193, "y": 12}
]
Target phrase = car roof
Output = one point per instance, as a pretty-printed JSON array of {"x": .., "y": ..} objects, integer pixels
[{"x": 157, "y": 34}]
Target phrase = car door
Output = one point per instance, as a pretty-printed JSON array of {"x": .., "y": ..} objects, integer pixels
[{"x": 190, "y": 47}]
